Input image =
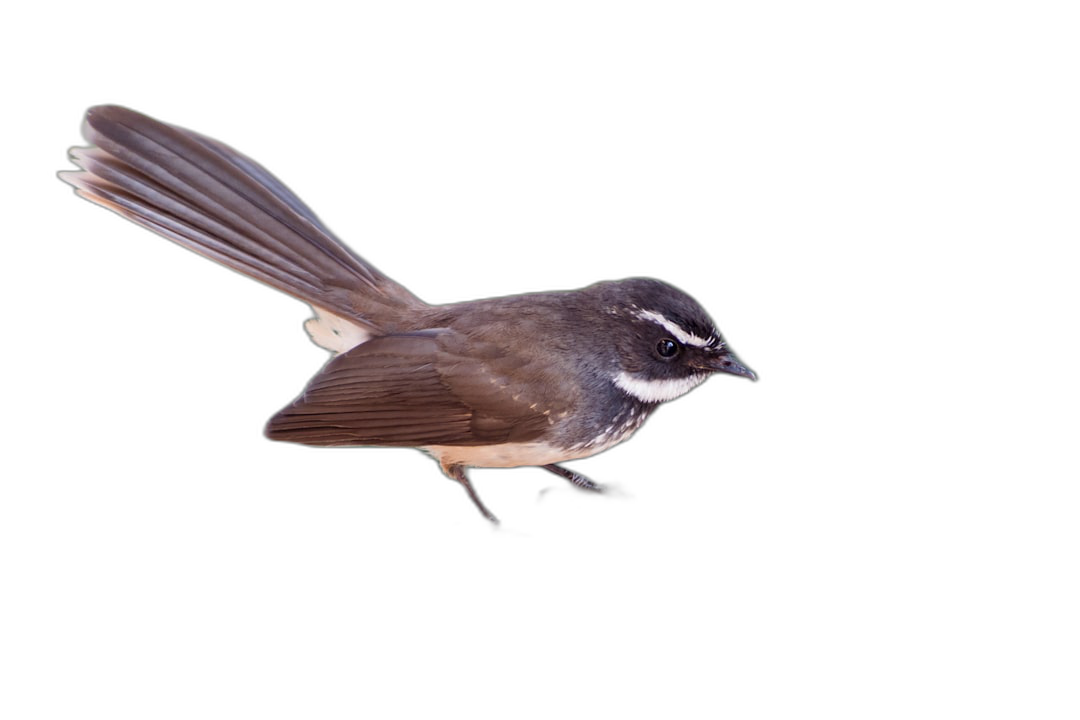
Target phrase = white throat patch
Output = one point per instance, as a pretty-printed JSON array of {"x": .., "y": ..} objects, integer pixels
[{"x": 657, "y": 391}]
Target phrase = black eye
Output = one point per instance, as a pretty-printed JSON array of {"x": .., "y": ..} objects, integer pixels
[{"x": 667, "y": 348}]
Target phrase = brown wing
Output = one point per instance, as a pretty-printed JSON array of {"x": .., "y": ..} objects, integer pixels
[{"x": 426, "y": 388}]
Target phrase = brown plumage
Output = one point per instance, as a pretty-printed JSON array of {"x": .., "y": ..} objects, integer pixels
[{"x": 521, "y": 380}]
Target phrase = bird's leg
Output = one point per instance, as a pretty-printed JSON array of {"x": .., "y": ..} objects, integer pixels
[
  {"x": 582, "y": 484},
  {"x": 457, "y": 472}
]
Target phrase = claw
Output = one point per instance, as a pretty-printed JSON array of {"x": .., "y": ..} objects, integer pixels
[{"x": 577, "y": 479}]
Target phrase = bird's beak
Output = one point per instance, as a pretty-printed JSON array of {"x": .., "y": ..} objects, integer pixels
[{"x": 728, "y": 363}]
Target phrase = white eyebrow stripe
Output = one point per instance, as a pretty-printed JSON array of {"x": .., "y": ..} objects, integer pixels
[{"x": 677, "y": 332}]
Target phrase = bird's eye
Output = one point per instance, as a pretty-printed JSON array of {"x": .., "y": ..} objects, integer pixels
[{"x": 667, "y": 348}]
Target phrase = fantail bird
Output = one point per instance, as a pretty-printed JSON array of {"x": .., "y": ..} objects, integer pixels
[{"x": 533, "y": 379}]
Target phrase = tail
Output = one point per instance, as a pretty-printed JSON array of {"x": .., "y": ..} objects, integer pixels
[{"x": 211, "y": 199}]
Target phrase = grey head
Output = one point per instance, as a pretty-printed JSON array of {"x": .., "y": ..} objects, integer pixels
[{"x": 665, "y": 342}]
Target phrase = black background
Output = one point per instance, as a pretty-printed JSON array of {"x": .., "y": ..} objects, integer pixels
[{"x": 156, "y": 369}]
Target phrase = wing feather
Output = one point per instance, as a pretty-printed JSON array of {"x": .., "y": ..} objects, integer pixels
[{"x": 411, "y": 390}]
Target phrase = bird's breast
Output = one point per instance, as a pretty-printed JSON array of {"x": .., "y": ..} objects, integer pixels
[
  {"x": 619, "y": 427},
  {"x": 519, "y": 454}
]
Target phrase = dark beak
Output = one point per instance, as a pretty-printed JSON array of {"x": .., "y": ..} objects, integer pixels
[{"x": 728, "y": 363}]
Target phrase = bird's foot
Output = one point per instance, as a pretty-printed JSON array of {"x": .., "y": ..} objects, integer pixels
[{"x": 577, "y": 479}]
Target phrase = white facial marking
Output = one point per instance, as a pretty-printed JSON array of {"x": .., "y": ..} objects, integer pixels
[
  {"x": 677, "y": 332},
  {"x": 655, "y": 391}
]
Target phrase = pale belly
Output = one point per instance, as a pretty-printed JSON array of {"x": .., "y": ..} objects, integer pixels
[
  {"x": 509, "y": 455},
  {"x": 506, "y": 455}
]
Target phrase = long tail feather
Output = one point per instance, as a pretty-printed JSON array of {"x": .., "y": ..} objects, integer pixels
[{"x": 211, "y": 199}]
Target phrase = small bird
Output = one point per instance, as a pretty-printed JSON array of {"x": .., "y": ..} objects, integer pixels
[{"x": 535, "y": 379}]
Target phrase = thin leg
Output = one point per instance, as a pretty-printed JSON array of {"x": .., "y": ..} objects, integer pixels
[
  {"x": 578, "y": 480},
  {"x": 457, "y": 472}
]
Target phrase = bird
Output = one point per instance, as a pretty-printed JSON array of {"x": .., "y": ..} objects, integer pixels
[{"x": 536, "y": 379}]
